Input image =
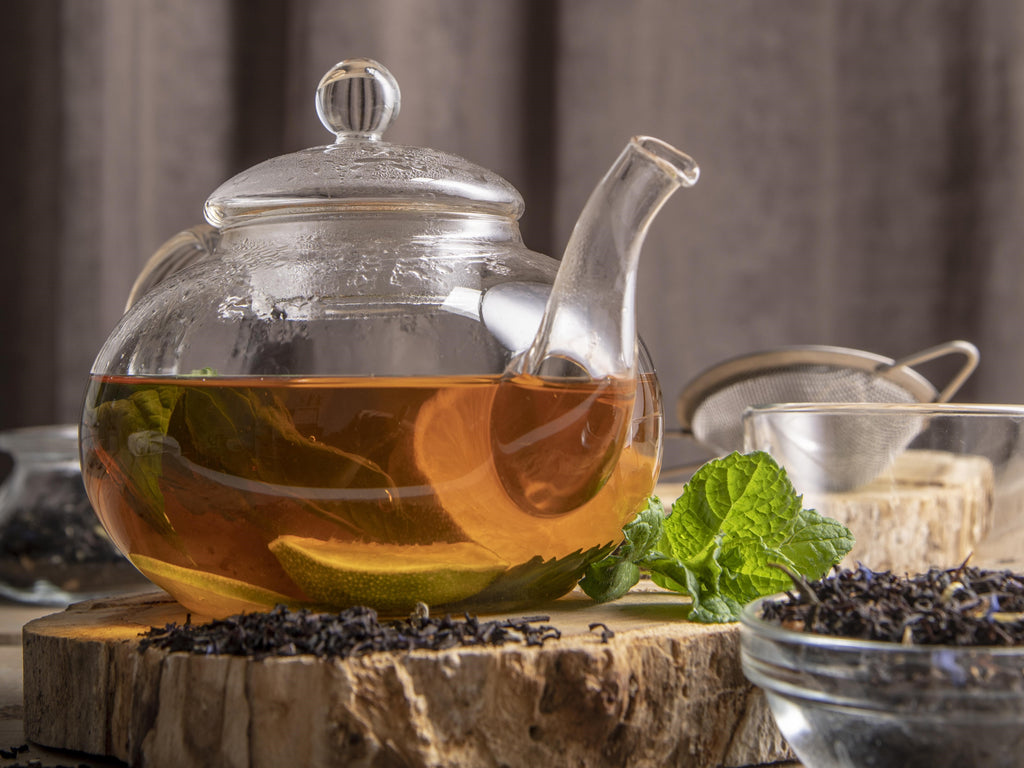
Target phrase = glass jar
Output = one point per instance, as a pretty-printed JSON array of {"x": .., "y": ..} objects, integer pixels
[{"x": 53, "y": 549}]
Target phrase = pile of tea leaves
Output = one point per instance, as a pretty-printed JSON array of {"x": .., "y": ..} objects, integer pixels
[
  {"x": 352, "y": 632},
  {"x": 964, "y": 606}
]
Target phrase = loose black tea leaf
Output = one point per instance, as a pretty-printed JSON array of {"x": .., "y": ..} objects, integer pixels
[
  {"x": 352, "y": 632},
  {"x": 962, "y": 606},
  {"x": 606, "y": 634}
]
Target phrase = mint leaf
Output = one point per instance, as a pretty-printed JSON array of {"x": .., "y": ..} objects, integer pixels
[
  {"x": 644, "y": 532},
  {"x": 542, "y": 579},
  {"x": 135, "y": 429},
  {"x": 716, "y": 609},
  {"x": 738, "y": 516},
  {"x": 611, "y": 578}
]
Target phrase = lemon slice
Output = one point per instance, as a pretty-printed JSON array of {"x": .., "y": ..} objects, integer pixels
[
  {"x": 205, "y": 593},
  {"x": 387, "y": 577},
  {"x": 452, "y": 447}
]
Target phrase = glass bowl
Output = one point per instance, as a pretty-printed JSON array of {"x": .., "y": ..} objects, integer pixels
[
  {"x": 843, "y": 703},
  {"x": 918, "y": 484}
]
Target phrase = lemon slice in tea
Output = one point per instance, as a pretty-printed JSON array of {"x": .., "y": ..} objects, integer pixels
[
  {"x": 205, "y": 593},
  {"x": 387, "y": 577},
  {"x": 453, "y": 448}
]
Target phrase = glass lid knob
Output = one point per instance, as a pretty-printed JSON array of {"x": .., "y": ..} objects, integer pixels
[{"x": 358, "y": 98}]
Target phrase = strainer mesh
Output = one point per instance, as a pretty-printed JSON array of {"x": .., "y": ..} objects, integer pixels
[{"x": 717, "y": 420}]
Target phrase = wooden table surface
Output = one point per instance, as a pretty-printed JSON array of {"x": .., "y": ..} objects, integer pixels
[{"x": 1003, "y": 548}]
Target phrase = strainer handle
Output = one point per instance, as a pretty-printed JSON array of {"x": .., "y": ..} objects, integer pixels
[{"x": 959, "y": 347}]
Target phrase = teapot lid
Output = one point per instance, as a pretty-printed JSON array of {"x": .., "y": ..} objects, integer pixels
[{"x": 357, "y": 100}]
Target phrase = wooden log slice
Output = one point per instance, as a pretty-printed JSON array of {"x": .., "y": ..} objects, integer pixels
[{"x": 661, "y": 692}]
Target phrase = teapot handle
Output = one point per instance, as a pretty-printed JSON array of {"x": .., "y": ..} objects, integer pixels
[
  {"x": 964, "y": 348},
  {"x": 185, "y": 248}
]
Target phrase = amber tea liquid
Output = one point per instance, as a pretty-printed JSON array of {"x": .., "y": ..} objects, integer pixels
[{"x": 202, "y": 474}]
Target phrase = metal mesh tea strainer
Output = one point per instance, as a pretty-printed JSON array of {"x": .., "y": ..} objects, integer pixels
[{"x": 711, "y": 406}]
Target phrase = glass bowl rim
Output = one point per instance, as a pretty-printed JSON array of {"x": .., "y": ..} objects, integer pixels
[
  {"x": 861, "y": 408},
  {"x": 56, "y": 441}
]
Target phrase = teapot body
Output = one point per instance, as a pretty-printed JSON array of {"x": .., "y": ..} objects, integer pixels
[
  {"x": 316, "y": 414},
  {"x": 357, "y": 386}
]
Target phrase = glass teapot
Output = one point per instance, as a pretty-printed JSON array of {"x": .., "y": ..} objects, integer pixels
[{"x": 356, "y": 385}]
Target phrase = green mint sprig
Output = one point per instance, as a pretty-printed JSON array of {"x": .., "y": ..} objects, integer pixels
[{"x": 736, "y": 520}]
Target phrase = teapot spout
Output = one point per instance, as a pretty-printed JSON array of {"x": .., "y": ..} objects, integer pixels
[{"x": 589, "y": 325}]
